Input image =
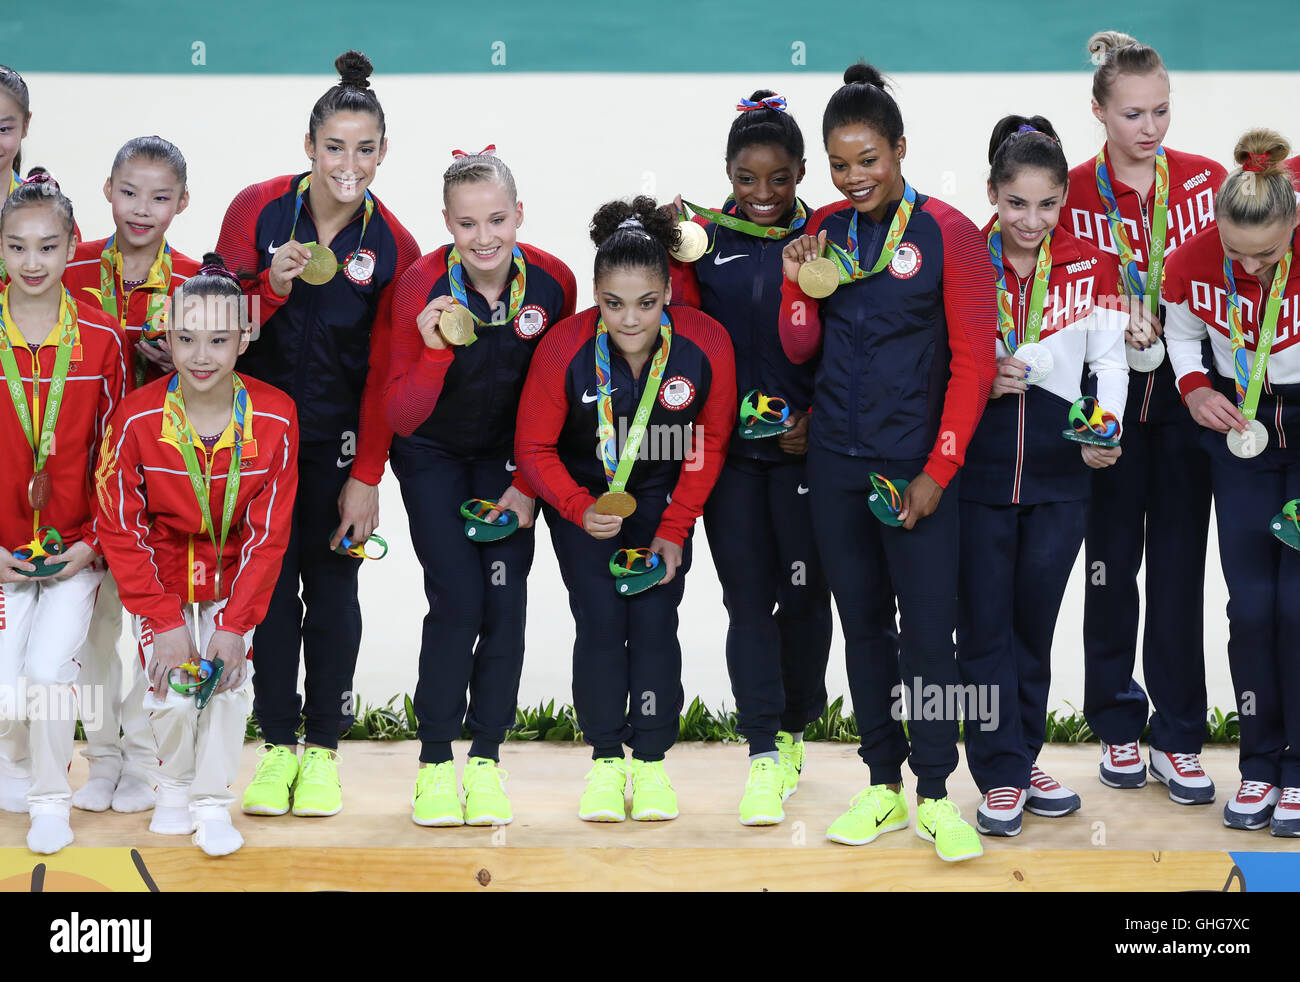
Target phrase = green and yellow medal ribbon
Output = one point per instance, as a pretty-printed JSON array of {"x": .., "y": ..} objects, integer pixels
[
  {"x": 1037, "y": 298},
  {"x": 728, "y": 218},
  {"x": 518, "y": 286},
  {"x": 200, "y": 477},
  {"x": 848, "y": 261},
  {"x": 158, "y": 283},
  {"x": 618, "y": 467},
  {"x": 303, "y": 186},
  {"x": 1132, "y": 277},
  {"x": 1250, "y": 385}
]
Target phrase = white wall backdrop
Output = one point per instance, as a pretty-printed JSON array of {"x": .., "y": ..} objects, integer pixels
[{"x": 574, "y": 141}]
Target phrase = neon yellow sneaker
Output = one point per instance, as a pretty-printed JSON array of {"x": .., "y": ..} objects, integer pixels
[
  {"x": 603, "y": 801},
  {"x": 872, "y": 812},
  {"x": 437, "y": 802},
  {"x": 653, "y": 797},
  {"x": 268, "y": 792},
  {"x": 317, "y": 791},
  {"x": 939, "y": 820},
  {"x": 761, "y": 804},
  {"x": 791, "y": 762},
  {"x": 485, "y": 800}
]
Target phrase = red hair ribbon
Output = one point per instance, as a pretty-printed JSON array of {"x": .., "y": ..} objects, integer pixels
[
  {"x": 775, "y": 102},
  {"x": 489, "y": 151},
  {"x": 1255, "y": 162}
]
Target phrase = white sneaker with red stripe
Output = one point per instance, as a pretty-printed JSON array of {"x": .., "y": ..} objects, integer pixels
[
  {"x": 1000, "y": 812},
  {"x": 1121, "y": 765},
  {"x": 1049, "y": 798},
  {"x": 1286, "y": 815},
  {"x": 1252, "y": 806},
  {"x": 1184, "y": 776}
]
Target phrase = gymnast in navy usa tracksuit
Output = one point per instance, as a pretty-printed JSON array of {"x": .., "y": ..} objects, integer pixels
[
  {"x": 1025, "y": 488},
  {"x": 759, "y": 516}
]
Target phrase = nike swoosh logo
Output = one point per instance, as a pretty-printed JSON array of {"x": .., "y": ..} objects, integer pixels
[
  {"x": 270, "y": 250},
  {"x": 588, "y": 398},
  {"x": 801, "y": 490},
  {"x": 881, "y": 821},
  {"x": 511, "y": 466},
  {"x": 341, "y": 463},
  {"x": 720, "y": 260}
]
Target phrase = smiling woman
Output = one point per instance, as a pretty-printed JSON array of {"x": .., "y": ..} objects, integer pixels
[{"x": 317, "y": 253}]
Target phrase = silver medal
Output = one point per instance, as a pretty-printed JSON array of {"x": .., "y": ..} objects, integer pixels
[
  {"x": 1038, "y": 359},
  {"x": 1145, "y": 359},
  {"x": 1250, "y": 443}
]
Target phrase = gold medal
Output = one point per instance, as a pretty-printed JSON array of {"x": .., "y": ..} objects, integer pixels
[
  {"x": 618, "y": 503},
  {"x": 38, "y": 490},
  {"x": 819, "y": 278},
  {"x": 457, "y": 325},
  {"x": 693, "y": 244},
  {"x": 321, "y": 267}
]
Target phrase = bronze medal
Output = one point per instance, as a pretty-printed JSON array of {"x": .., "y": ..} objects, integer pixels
[
  {"x": 38, "y": 490},
  {"x": 819, "y": 278},
  {"x": 693, "y": 244},
  {"x": 618, "y": 503},
  {"x": 216, "y": 581},
  {"x": 457, "y": 325},
  {"x": 321, "y": 267}
]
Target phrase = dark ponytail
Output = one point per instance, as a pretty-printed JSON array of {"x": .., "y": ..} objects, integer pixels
[
  {"x": 1011, "y": 147},
  {"x": 351, "y": 94},
  {"x": 642, "y": 243},
  {"x": 863, "y": 99},
  {"x": 764, "y": 125}
]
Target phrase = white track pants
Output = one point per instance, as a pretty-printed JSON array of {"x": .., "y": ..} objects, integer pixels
[
  {"x": 110, "y": 755},
  {"x": 43, "y": 625},
  {"x": 198, "y": 752}
]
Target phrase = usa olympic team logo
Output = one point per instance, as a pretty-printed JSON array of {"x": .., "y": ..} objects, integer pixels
[
  {"x": 361, "y": 269},
  {"x": 530, "y": 322},
  {"x": 906, "y": 262},
  {"x": 678, "y": 393}
]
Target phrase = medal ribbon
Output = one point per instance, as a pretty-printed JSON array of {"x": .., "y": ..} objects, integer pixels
[
  {"x": 619, "y": 467},
  {"x": 201, "y": 479},
  {"x": 42, "y": 444},
  {"x": 1037, "y": 298},
  {"x": 1250, "y": 386},
  {"x": 1133, "y": 283},
  {"x": 303, "y": 185},
  {"x": 456, "y": 276},
  {"x": 728, "y": 219},
  {"x": 847, "y": 260},
  {"x": 158, "y": 282}
]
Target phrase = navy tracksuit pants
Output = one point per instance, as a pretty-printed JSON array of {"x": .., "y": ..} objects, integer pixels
[
  {"x": 871, "y": 568},
  {"x": 1263, "y": 578},
  {"x": 1015, "y": 564},
  {"x": 324, "y": 622},
  {"x": 759, "y": 525},
  {"x": 478, "y": 593},
  {"x": 1157, "y": 496},
  {"x": 627, "y": 662}
]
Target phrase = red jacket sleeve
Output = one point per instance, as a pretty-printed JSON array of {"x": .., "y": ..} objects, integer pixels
[
  {"x": 971, "y": 312},
  {"x": 800, "y": 322},
  {"x": 415, "y": 371},
  {"x": 685, "y": 284},
  {"x": 711, "y": 436},
  {"x": 237, "y": 246},
  {"x": 263, "y": 537},
  {"x": 543, "y": 408},
  {"x": 376, "y": 435},
  {"x": 116, "y": 382},
  {"x": 123, "y": 527}
]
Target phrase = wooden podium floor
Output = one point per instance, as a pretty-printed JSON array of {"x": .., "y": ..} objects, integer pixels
[{"x": 1119, "y": 840}]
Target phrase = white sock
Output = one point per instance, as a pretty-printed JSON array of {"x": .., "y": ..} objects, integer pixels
[
  {"x": 133, "y": 795},
  {"x": 171, "y": 820},
  {"x": 49, "y": 833},
  {"x": 13, "y": 794},
  {"x": 215, "y": 835},
  {"x": 94, "y": 796}
]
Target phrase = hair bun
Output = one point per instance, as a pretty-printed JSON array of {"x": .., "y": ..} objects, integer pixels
[
  {"x": 1258, "y": 145},
  {"x": 1103, "y": 43},
  {"x": 40, "y": 176},
  {"x": 354, "y": 69},
  {"x": 213, "y": 259},
  {"x": 862, "y": 72}
]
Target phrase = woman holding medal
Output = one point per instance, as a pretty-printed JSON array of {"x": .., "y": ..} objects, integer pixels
[
  {"x": 758, "y": 516},
  {"x": 1142, "y": 200},
  {"x": 466, "y": 320},
  {"x": 196, "y": 527},
  {"x": 907, "y": 346},
  {"x": 1024, "y": 488},
  {"x": 1239, "y": 285},
  {"x": 318, "y": 253},
  {"x": 64, "y": 364},
  {"x": 656, "y": 386},
  {"x": 131, "y": 275}
]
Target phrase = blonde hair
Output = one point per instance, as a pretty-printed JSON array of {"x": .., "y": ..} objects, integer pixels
[
  {"x": 1115, "y": 54},
  {"x": 474, "y": 167},
  {"x": 1265, "y": 193}
]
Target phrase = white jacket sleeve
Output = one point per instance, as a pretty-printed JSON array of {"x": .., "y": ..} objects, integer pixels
[
  {"x": 1106, "y": 359},
  {"x": 1184, "y": 332}
]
